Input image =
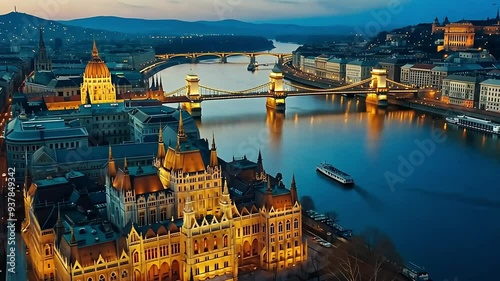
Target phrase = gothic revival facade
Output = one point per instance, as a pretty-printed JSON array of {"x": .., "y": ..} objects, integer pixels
[{"x": 188, "y": 216}]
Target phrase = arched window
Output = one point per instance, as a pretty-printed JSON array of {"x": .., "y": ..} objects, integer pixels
[
  {"x": 280, "y": 227},
  {"x": 90, "y": 279},
  {"x": 205, "y": 245},
  {"x": 102, "y": 278},
  {"x": 136, "y": 257},
  {"x": 215, "y": 242},
  {"x": 271, "y": 228},
  {"x": 112, "y": 276},
  {"x": 225, "y": 240},
  {"x": 296, "y": 223},
  {"x": 196, "y": 246},
  {"x": 288, "y": 225},
  {"x": 124, "y": 274}
]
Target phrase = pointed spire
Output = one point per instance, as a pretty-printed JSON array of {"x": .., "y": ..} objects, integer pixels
[
  {"x": 110, "y": 152},
  {"x": 153, "y": 85},
  {"x": 498, "y": 14},
  {"x": 214, "y": 159},
  {"x": 111, "y": 164},
  {"x": 160, "y": 134},
  {"x": 260, "y": 165},
  {"x": 41, "y": 44},
  {"x": 225, "y": 187},
  {"x": 59, "y": 220},
  {"x": 181, "y": 136},
  {"x": 161, "y": 85},
  {"x": 95, "y": 53},
  {"x": 125, "y": 165},
  {"x": 293, "y": 190}
]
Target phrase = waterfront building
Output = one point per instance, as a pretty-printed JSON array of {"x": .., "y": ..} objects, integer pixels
[
  {"x": 176, "y": 220},
  {"x": 336, "y": 69},
  {"x": 431, "y": 75},
  {"x": 461, "y": 90},
  {"x": 489, "y": 98},
  {"x": 358, "y": 70},
  {"x": 320, "y": 65},
  {"x": 309, "y": 65}
]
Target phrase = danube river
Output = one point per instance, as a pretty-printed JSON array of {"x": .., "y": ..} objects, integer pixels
[{"x": 435, "y": 189}]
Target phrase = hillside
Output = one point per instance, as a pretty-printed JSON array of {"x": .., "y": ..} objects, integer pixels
[
  {"x": 170, "y": 27},
  {"x": 23, "y": 28}
]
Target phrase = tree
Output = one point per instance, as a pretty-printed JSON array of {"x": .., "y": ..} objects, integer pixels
[
  {"x": 365, "y": 257},
  {"x": 307, "y": 203}
]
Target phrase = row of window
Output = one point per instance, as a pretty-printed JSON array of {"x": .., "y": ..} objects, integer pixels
[
  {"x": 152, "y": 253},
  {"x": 281, "y": 247},
  {"x": 112, "y": 276},
  {"x": 206, "y": 244},
  {"x": 207, "y": 268}
]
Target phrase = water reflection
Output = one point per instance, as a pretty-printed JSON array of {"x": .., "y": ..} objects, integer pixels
[{"x": 274, "y": 122}]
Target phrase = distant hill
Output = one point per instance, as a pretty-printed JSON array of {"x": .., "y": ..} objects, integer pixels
[
  {"x": 23, "y": 28},
  {"x": 169, "y": 27}
]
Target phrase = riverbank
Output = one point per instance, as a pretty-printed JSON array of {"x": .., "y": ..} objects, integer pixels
[{"x": 434, "y": 107}]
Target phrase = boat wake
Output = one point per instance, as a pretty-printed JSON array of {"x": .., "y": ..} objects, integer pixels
[{"x": 458, "y": 197}]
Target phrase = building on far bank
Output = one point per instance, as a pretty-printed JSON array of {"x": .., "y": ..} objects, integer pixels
[
  {"x": 358, "y": 70},
  {"x": 489, "y": 98},
  {"x": 461, "y": 90},
  {"x": 336, "y": 69}
]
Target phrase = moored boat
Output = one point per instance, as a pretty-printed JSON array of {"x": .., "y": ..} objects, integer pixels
[{"x": 474, "y": 123}]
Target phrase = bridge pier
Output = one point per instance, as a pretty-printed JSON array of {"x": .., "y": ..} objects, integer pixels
[
  {"x": 277, "y": 99},
  {"x": 223, "y": 59},
  {"x": 194, "y": 60},
  {"x": 193, "y": 93},
  {"x": 379, "y": 84}
]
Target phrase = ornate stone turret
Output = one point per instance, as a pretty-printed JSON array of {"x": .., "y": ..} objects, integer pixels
[
  {"x": 446, "y": 21},
  {"x": 260, "y": 173},
  {"x": 214, "y": 160},
  {"x": 189, "y": 214},
  {"x": 225, "y": 201}
]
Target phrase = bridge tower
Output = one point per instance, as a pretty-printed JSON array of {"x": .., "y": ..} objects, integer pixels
[
  {"x": 223, "y": 58},
  {"x": 252, "y": 59},
  {"x": 193, "y": 93},
  {"x": 280, "y": 59},
  {"x": 277, "y": 99},
  {"x": 379, "y": 85}
]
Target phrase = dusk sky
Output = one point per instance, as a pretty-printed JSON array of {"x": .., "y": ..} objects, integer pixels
[{"x": 305, "y": 12}]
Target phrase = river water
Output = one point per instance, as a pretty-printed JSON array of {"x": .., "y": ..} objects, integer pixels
[{"x": 435, "y": 189}]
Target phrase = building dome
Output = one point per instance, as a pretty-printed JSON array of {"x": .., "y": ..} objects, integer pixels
[{"x": 96, "y": 68}]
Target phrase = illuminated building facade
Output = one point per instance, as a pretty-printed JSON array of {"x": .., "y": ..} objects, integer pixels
[
  {"x": 97, "y": 86},
  {"x": 181, "y": 218}
]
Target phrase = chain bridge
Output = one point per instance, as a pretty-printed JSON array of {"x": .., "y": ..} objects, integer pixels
[{"x": 376, "y": 88}]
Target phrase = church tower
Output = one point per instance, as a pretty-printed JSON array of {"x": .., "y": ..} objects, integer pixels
[
  {"x": 42, "y": 60},
  {"x": 97, "y": 82}
]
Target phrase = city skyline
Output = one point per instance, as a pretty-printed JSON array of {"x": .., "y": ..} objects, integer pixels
[{"x": 316, "y": 12}]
